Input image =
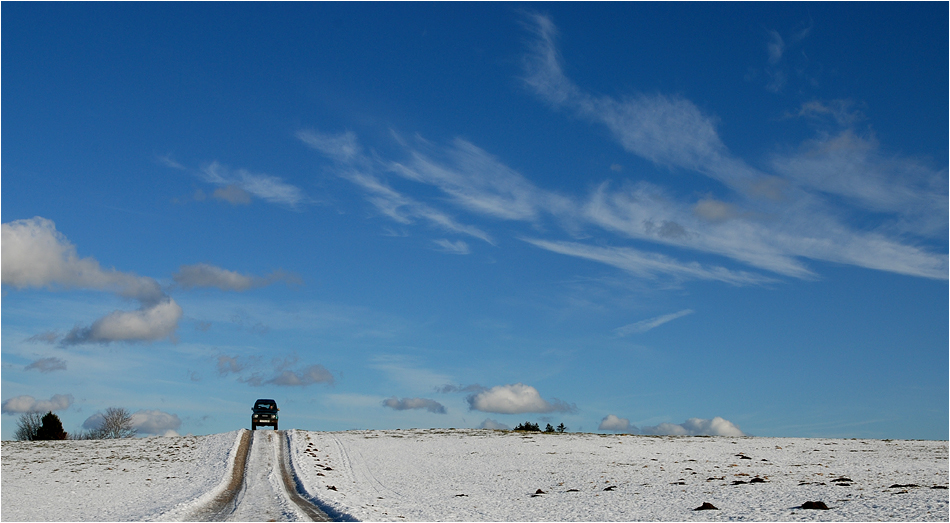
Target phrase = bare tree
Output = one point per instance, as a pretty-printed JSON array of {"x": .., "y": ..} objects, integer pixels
[
  {"x": 116, "y": 423},
  {"x": 28, "y": 426}
]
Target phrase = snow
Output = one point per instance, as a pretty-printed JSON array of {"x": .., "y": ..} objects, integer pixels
[
  {"x": 110, "y": 480},
  {"x": 482, "y": 475}
]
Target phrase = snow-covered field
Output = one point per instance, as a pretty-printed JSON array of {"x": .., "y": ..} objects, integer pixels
[
  {"x": 109, "y": 480},
  {"x": 482, "y": 475}
]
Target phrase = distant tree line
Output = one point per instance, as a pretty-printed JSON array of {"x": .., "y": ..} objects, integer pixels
[
  {"x": 534, "y": 427},
  {"x": 116, "y": 423}
]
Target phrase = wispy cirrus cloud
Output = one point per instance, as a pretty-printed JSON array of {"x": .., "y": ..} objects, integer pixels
[
  {"x": 450, "y": 247},
  {"x": 236, "y": 186},
  {"x": 770, "y": 221},
  {"x": 773, "y": 219},
  {"x": 649, "y": 265},
  {"x": 650, "y": 324},
  {"x": 368, "y": 174}
]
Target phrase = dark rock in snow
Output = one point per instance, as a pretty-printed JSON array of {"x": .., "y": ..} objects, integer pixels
[
  {"x": 909, "y": 485},
  {"x": 757, "y": 480},
  {"x": 814, "y": 505},
  {"x": 610, "y": 488},
  {"x": 706, "y": 506}
]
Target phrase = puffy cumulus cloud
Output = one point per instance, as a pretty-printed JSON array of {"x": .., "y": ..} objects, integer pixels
[
  {"x": 414, "y": 404},
  {"x": 615, "y": 424},
  {"x": 515, "y": 399},
  {"x": 309, "y": 376},
  {"x": 35, "y": 254},
  {"x": 151, "y": 323},
  {"x": 696, "y": 427},
  {"x": 45, "y": 365},
  {"x": 155, "y": 422},
  {"x": 24, "y": 404},
  {"x": 204, "y": 275},
  {"x": 493, "y": 425},
  {"x": 94, "y": 422}
]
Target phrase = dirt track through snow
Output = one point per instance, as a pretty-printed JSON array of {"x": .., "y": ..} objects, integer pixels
[{"x": 261, "y": 487}]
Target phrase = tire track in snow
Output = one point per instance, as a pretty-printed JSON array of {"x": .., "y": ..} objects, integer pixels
[
  {"x": 261, "y": 487},
  {"x": 359, "y": 472}
]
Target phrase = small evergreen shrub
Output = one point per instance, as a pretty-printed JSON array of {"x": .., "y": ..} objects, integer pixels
[{"x": 51, "y": 428}]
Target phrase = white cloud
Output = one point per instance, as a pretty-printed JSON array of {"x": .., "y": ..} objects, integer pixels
[
  {"x": 848, "y": 165},
  {"x": 414, "y": 404},
  {"x": 24, "y": 404},
  {"x": 341, "y": 147},
  {"x": 367, "y": 174},
  {"x": 232, "y": 194},
  {"x": 35, "y": 254},
  {"x": 775, "y": 219},
  {"x": 493, "y": 425},
  {"x": 479, "y": 182},
  {"x": 150, "y": 323},
  {"x": 308, "y": 376},
  {"x": 264, "y": 186},
  {"x": 450, "y": 247},
  {"x": 228, "y": 365},
  {"x": 204, "y": 275},
  {"x": 94, "y": 422},
  {"x": 776, "y": 47},
  {"x": 515, "y": 399},
  {"x": 46, "y": 365},
  {"x": 649, "y": 265},
  {"x": 652, "y": 323},
  {"x": 615, "y": 424},
  {"x": 155, "y": 422},
  {"x": 696, "y": 427}
]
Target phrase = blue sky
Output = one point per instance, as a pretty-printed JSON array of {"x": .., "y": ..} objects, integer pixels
[{"x": 650, "y": 218}]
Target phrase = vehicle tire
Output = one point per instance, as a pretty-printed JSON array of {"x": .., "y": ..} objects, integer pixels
[
  {"x": 253, "y": 426},
  {"x": 275, "y": 426}
]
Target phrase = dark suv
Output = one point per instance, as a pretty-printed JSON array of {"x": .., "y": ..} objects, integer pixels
[{"x": 265, "y": 413}]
